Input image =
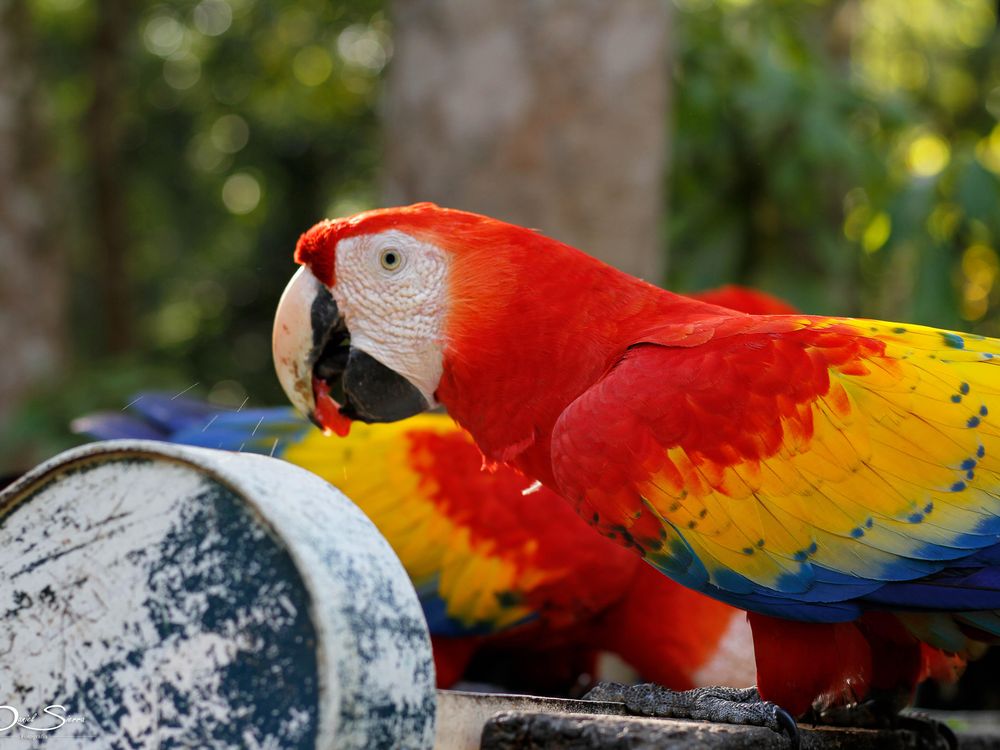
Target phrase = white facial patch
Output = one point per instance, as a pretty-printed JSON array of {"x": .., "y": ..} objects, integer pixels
[{"x": 391, "y": 291}]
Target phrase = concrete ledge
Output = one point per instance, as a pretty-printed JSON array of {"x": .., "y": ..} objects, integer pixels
[
  {"x": 533, "y": 731},
  {"x": 470, "y": 721},
  {"x": 462, "y": 715},
  {"x": 515, "y": 729}
]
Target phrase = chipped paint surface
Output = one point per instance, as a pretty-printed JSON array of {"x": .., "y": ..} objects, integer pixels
[{"x": 178, "y": 597}]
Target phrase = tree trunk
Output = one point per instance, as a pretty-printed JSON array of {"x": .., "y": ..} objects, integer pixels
[
  {"x": 32, "y": 263},
  {"x": 104, "y": 135},
  {"x": 547, "y": 113}
]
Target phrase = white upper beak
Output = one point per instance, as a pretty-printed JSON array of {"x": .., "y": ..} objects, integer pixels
[{"x": 292, "y": 340}]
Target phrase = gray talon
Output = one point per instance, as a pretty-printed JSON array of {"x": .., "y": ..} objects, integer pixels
[{"x": 719, "y": 704}]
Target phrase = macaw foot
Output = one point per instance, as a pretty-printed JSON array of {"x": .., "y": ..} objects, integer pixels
[
  {"x": 876, "y": 714},
  {"x": 720, "y": 704}
]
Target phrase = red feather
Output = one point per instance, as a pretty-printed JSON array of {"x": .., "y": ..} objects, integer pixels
[{"x": 746, "y": 300}]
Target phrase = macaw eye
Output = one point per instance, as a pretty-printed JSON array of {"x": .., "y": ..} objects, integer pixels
[{"x": 390, "y": 259}]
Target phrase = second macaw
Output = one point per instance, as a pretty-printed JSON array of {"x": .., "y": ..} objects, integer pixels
[
  {"x": 501, "y": 575},
  {"x": 495, "y": 572},
  {"x": 837, "y": 478}
]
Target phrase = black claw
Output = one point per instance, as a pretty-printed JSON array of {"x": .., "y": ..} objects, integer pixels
[{"x": 786, "y": 722}]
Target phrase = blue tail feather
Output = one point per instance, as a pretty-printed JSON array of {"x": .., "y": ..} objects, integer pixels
[
  {"x": 973, "y": 584},
  {"x": 116, "y": 425},
  {"x": 253, "y": 430},
  {"x": 189, "y": 421},
  {"x": 173, "y": 413}
]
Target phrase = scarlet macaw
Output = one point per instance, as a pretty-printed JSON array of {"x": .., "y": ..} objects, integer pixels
[{"x": 837, "y": 478}]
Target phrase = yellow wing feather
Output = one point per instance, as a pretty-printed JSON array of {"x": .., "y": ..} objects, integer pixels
[{"x": 374, "y": 466}]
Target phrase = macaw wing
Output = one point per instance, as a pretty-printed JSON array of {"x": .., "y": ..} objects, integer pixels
[
  {"x": 799, "y": 466},
  {"x": 484, "y": 556},
  {"x": 421, "y": 483}
]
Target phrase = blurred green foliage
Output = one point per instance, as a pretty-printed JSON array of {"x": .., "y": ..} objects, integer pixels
[
  {"x": 841, "y": 153},
  {"x": 243, "y": 122}
]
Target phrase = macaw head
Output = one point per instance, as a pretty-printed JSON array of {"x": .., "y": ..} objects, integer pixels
[{"x": 362, "y": 328}]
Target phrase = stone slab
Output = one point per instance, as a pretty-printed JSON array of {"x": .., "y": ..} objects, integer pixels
[
  {"x": 469, "y": 721},
  {"x": 462, "y": 714}
]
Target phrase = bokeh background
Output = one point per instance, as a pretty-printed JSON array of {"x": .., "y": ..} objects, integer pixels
[{"x": 159, "y": 159}]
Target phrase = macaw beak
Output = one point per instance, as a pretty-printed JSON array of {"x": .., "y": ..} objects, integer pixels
[{"x": 326, "y": 378}]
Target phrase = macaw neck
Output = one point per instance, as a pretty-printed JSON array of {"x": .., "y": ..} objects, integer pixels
[{"x": 565, "y": 320}]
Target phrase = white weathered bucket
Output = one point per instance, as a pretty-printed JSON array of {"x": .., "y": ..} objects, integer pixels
[{"x": 167, "y": 596}]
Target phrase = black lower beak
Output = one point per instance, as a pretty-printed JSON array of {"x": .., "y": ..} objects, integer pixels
[
  {"x": 374, "y": 393},
  {"x": 366, "y": 389}
]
